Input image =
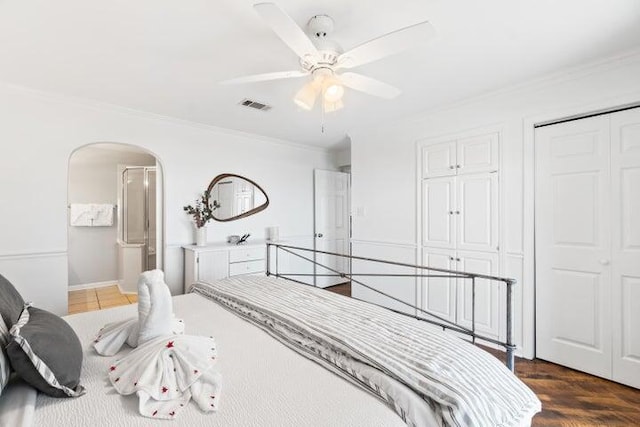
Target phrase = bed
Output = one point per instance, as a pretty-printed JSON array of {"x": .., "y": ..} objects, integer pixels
[
  {"x": 265, "y": 383},
  {"x": 270, "y": 382}
]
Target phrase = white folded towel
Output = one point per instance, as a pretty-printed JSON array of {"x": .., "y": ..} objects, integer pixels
[
  {"x": 102, "y": 215},
  {"x": 81, "y": 215},
  {"x": 166, "y": 372},
  {"x": 91, "y": 214},
  {"x": 167, "y": 368},
  {"x": 155, "y": 310},
  {"x": 155, "y": 318}
]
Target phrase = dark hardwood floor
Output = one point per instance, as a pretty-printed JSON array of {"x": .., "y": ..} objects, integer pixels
[
  {"x": 569, "y": 398},
  {"x": 572, "y": 398},
  {"x": 342, "y": 289}
]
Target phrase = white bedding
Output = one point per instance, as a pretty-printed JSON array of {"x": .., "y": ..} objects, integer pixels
[
  {"x": 18, "y": 404},
  {"x": 414, "y": 368},
  {"x": 265, "y": 382}
]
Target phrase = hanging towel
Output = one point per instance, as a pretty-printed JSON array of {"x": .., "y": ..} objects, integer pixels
[
  {"x": 81, "y": 215},
  {"x": 91, "y": 215},
  {"x": 102, "y": 215},
  {"x": 155, "y": 318},
  {"x": 167, "y": 372}
]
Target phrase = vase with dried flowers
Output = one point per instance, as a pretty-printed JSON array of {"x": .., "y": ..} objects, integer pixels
[{"x": 202, "y": 213}]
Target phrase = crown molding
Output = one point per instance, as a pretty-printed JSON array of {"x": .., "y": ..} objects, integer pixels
[
  {"x": 609, "y": 63},
  {"x": 115, "y": 108}
]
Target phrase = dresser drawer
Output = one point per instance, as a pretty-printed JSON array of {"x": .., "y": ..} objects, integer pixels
[
  {"x": 246, "y": 267},
  {"x": 248, "y": 254}
]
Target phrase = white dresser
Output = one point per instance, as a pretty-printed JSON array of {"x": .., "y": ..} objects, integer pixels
[{"x": 220, "y": 260}]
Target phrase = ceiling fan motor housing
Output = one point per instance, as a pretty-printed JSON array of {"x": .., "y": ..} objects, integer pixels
[{"x": 319, "y": 28}]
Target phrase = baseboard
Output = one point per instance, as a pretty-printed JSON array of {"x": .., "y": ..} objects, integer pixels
[{"x": 94, "y": 285}]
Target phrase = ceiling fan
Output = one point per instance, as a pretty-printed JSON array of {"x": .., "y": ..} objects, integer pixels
[{"x": 323, "y": 59}]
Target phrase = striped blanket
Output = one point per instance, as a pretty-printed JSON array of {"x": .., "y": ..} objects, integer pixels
[{"x": 416, "y": 370}]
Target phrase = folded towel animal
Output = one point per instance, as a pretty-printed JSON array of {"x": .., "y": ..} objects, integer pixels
[
  {"x": 166, "y": 373},
  {"x": 167, "y": 368},
  {"x": 155, "y": 318}
]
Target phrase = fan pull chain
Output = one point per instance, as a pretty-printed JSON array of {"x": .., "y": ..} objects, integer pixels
[{"x": 322, "y": 116}]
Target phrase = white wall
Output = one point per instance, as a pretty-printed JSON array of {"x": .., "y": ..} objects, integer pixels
[
  {"x": 38, "y": 133},
  {"x": 343, "y": 157},
  {"x": 93, "y": 178},
  {"x": 384, "y": 165}
]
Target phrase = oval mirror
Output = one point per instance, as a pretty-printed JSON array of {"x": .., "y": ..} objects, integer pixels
[{"x": 236, "y": 197}]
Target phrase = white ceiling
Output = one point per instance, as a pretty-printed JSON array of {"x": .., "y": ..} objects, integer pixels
[{"x": 167, "y": 56}]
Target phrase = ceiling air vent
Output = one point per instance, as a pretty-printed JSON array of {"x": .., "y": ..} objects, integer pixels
[{"x": 256, "y": 105}]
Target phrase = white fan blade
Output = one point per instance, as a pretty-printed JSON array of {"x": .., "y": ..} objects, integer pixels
[
  {"x": 389, "y": 44},
  {"x": 368, "y": 85},
  {"x": 287, "y": 29},
  {"x": 264, "y": 77}
]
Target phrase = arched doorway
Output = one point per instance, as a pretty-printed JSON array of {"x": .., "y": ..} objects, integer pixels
[{"x": 115, "y": 223}]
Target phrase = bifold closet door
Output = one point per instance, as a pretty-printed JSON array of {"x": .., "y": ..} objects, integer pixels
[
  {"x": 573, "y": 245},
  {"x": 625, "y": 259}
]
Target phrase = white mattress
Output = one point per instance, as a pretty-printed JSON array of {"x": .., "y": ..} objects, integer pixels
[{"x": 264, "y": 382}]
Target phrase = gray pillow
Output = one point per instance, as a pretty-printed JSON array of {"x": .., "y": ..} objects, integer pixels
[
  {"x": 4, "y": 362},
  {"x": 11, "y": 302},
  {"x": 46, "y": 353}
]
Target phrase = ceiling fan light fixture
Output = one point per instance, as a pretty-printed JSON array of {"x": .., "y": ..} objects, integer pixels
[
  {"x": 321, "y": 57},
  {"x": 333, "y": 91},
  {"x": 306, "y": 97},
  {"x": 330, "y": 107}
]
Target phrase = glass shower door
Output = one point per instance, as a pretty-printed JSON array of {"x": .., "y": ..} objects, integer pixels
[
  {"x": 139, "y": 211},
  {"x": 151, "y": 217}
]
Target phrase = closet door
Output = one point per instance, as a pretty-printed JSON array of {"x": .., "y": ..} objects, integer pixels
[
  {"x": 439, "y": 293},
  {"x": 439, "y": 159},
  {"x": 573, "y": 245},
  {"x": 625, "y": 260},
  {"x": 477, "y": 212},
  {"x": 478, "y": 154},
  {"x": 439, "y": 212},
  {"x": 488, "y": 293}
]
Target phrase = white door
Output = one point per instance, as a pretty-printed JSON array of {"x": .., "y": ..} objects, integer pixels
[
  {"x": 478, "y": 154},
  {"x": 625, "y": 259},
  {"x": 331, "y": 224},
  {"x": 439, "y": 212},
  {"x": 439, "y": 159},
  {"x": 439, "y": 293},
  {"x": 573, "y": 245},
  {"x": 225, "y": 198},
  {"x": 477, "y": 212},
  {"x": 489, "y": 294}
]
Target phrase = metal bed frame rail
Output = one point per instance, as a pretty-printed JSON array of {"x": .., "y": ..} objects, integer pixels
[{"x": 422, "y": 272}]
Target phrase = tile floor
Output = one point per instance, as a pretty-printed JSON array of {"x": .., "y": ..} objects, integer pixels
[{"x": 98, "y": 298}]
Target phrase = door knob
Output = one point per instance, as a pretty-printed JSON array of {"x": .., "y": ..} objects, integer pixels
[
  {"x": 319, "y": 235},
  {"x": 604, "y": 261}
]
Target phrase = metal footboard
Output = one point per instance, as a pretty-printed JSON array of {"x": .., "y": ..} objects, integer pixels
[{"x": 310, "y": 255}]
